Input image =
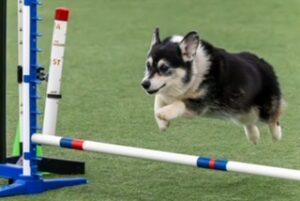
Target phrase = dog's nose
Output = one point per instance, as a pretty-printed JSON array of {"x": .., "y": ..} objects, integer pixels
[{"x": 146, "y": 84}]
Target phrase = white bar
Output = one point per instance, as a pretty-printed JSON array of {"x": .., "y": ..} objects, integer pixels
[
  {"x": 20, "y": 61},
  {"x": 55, "y": 76},
  {"x": 122, "y": 150},
  {"x": 26, "y": 106},
  {"x": 46, "y": 139},
  {"x": 149, "y": 154},
  {"x": 263, "y": 170},
  {"x": 169, "y": 157}
]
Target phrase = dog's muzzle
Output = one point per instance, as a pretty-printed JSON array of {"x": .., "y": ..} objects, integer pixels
[{"x": 146, "y": 85}]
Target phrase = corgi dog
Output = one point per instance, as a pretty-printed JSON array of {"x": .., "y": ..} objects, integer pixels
[{"x": 190, "y": 77}]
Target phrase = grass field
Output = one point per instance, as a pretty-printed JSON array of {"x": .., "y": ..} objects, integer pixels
[{"x": 103, "y": 101}]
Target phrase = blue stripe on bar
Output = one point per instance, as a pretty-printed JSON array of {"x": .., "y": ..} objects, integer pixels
[
  {"x": 221, "y": 165},
  {"x": 66, "y": 142},
  {"x": 209, "y": 163},
  {"x": 203, "y": 162}
]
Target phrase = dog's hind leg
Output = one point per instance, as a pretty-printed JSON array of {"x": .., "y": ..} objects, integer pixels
[
  {"x": 273, "y": 123},
  {"x": 252, "y": 133},
  {"x": 275, "y": 130},
  {"x": 249, "y": 120}
]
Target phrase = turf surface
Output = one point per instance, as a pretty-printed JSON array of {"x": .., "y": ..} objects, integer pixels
[{"x": 102, "y": 100}]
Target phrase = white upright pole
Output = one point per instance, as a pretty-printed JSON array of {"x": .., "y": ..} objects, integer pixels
[
  {"x": 20, "y": 63},
  {"x": 55, "y": 71},
  {"x": 25, "y": 88}
]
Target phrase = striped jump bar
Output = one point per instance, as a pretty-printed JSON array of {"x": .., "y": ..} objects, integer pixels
[
  {"x": 201, "y": 161},
  {"x": 168, "y": 157}
]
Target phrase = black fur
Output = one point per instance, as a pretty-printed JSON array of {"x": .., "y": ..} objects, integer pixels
[
  {"x": 237, "y": 82},
  {"x": 170, "y": 52},
  {"x": 167, "y": 50}
]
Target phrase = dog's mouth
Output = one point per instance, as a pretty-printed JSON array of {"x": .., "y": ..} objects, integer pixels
[{"x": 156, "y": 90}]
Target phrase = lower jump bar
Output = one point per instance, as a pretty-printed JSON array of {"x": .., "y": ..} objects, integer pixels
[{"x": 168, "y": 157}]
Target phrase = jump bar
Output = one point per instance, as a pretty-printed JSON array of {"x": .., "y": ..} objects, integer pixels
[{"x": 168, "y": 157}]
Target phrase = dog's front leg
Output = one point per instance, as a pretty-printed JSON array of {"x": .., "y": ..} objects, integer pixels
[
  {"x": 172, "y": 111},
  {"x": 159, "y": 103}
]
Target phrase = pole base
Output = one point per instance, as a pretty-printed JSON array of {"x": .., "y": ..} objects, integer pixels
[
  {"x": 55, "y": 166},
  {"x": 34, "y": 185},
  {"x": 23, "y": 185}
]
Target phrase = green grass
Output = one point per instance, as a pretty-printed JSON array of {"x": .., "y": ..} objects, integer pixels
[{"x": 102, "y": 100}]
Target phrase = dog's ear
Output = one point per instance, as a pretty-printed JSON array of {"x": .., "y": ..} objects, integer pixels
[
  {"x": 189, "y": 45},
  {"x": 155, "y": 37}
]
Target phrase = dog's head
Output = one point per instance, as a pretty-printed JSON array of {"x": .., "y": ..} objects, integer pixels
[{"x": 169, "y": 62}]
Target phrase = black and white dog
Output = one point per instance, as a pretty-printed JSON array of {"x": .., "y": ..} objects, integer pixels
[{"x": 190, "y": 77}]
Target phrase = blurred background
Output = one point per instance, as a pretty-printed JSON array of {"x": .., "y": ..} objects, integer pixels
[{"x": 107, "y": 44}]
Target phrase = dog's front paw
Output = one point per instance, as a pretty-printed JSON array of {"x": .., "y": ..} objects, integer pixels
[
  {"x": 163, "y": 114},
  {"x": 162, "y": 119},
  {"x": 162, "y": 124}
]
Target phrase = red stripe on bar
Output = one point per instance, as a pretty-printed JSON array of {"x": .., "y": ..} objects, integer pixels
[
  {"x": 62, "y": 14},
  {"x": 212, "y": 164},
  {"x": 77, "y": 144}
]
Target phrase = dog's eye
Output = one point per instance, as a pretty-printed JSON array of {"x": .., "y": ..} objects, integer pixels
[
  {"x": 164, "y": 69},
  {"x": 148, "y": 65}
]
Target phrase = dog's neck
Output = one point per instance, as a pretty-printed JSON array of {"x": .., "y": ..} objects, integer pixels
[{"x": 200, "y": 68}]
